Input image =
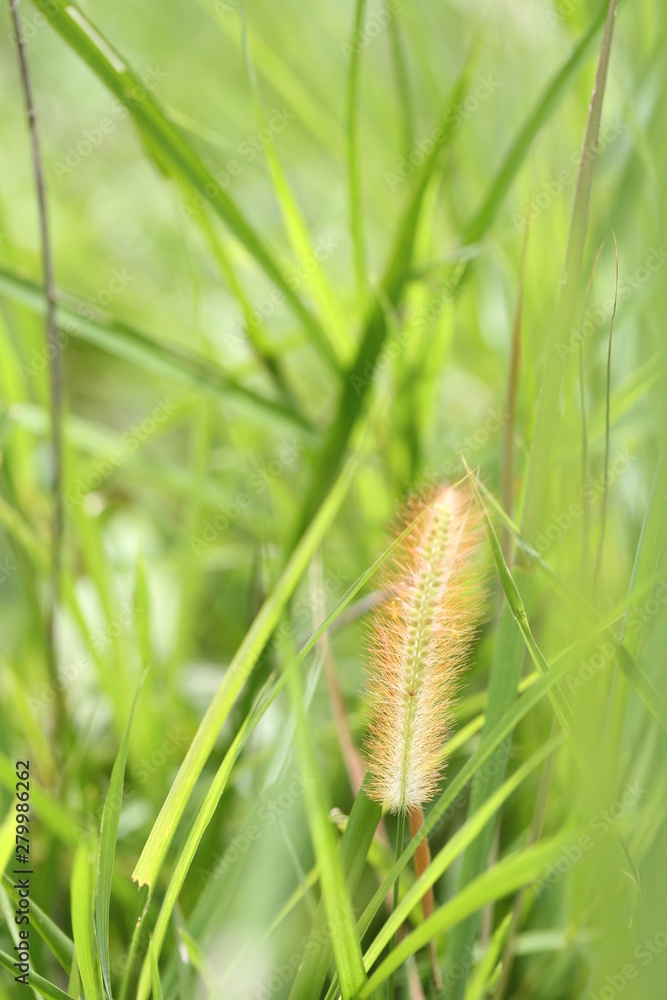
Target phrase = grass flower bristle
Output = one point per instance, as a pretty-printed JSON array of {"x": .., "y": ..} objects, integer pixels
[{"x": 419, "y": 641}]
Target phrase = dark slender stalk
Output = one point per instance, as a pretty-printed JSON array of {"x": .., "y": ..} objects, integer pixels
[{"x": 55, "y": 370}]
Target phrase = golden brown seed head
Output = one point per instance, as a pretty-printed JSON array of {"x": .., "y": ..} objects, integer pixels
[{"x": 419, "y": 640}]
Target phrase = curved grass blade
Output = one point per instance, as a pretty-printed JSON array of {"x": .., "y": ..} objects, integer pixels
[
  {"x": 107, "y": 850},
  {"x": 331, "y": 314},
  {"x": 167, "y": 146},
  {"x": 357, "y": 383},
  {"x": 140, "y": 348},
  {"x": 354, "y": 846},
  {"x": 454, "y": 847},
  {"x": 509, "y": 648},
  {"x": 361, "y": 821},
  {"x": 501, "y": 880},
  {"x": 242, "y": 664},
  {"x": 155, "y": 974},
  {"x": 38, "y": 983},
  {"x": 345, "y": 941},
  {"x": 396, "y": 275},
  {"x": 83, "y": 924},
  {"x": 59, "y": 944},
  {"x": 59, "y": 820}
]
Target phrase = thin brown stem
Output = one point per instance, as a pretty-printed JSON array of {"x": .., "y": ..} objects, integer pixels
[
  {"x": 422, "y": 859},
  {"x": 55, "y": 370}
]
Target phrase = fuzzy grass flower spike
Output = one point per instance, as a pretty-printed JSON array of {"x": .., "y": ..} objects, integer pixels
[{"x": 419, "y": 641}]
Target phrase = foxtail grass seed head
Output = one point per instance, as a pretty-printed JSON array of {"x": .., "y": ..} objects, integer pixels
[{"x": 419, "y": 641}]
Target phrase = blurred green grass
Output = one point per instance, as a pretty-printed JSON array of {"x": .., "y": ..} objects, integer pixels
[{"x": 206, "y": 492}]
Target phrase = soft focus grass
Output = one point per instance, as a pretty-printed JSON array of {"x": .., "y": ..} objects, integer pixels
[{"x": 256, "y": 372}]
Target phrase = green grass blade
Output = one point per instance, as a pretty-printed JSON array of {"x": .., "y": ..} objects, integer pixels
[
  {"x": 504, "y": 878},
  {"x": 54, "y": 816},
  {"x": 491, "y": 741},
  {"x": 38, "y": 983},
  {"x": 509, "y": 650},
  {"x": 155, "y": 974},
  {"x": 355, "y": 843},
  {"x": 242, "y": 664},
  {"x": 454, "y": 847},
  {"x": 140, "y": 348},
  {"x": 479, "y": 983},
  {"x": 59, "y": 944},
  {"x": 168, "y": 147},
  {"x": 83, "y": 925},
  {"x": 345, "y": 941},
  {"x": 352, "y": 862},
  {"x": 332, "y": 318},
  {"x": 107, "y": 850},
  {"x": 544, "y": 108},
  {"x": 357, "y": 384}
]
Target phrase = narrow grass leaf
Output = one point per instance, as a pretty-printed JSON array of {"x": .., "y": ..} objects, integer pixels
[
  {"x": 354, "y": 846},
  {"x": 331, "y": 314},
  {"x": 242, "y": 664},
  {"x": 167, "y": 146},
  {"x": 59, "y": 944},
  {"x": 160, "y": 358},
  {"x": 340, "y": 918},
  {"x": 454, "y": 847},
  {"x": 83, "y": 924},
  {"x": 38, "y": 983},
  {"x": 107, "y": 849},
  {"x": 155, "y": 974},
  {"x": 509, "y": 647},
  {"x": 501, "y": 880}
]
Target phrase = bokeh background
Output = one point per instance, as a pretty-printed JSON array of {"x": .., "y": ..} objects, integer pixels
[{"x": 183, "y": 494}]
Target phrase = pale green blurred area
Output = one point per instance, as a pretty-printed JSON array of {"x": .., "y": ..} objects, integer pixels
[{"x": 124, "y": 241}]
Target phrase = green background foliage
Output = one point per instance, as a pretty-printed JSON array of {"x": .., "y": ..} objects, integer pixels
[{"x": 310, "y": 259}]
